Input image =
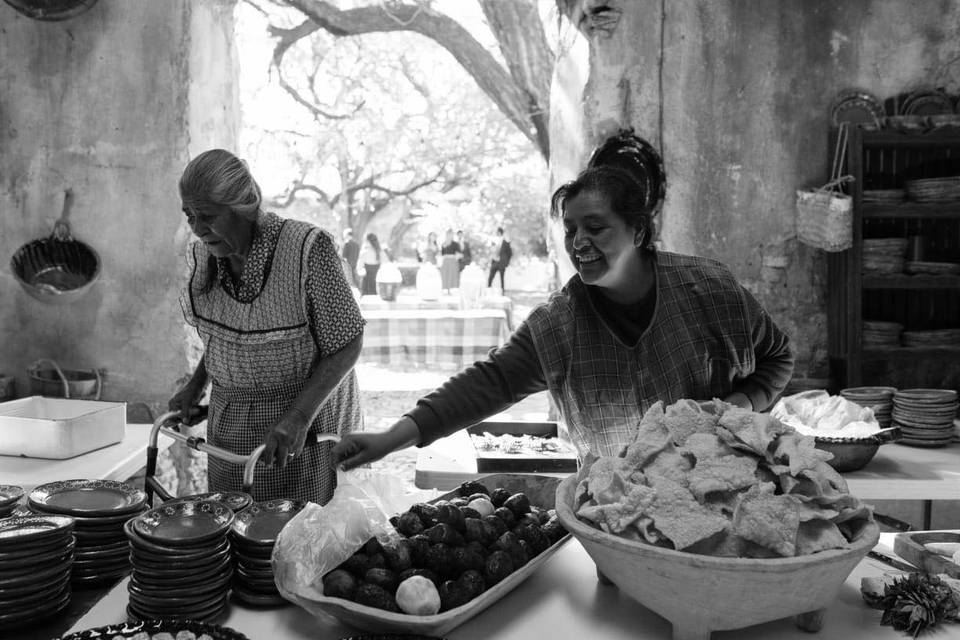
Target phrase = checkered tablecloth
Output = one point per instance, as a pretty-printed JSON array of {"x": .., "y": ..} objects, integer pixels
[
  {"x": 450, "y": 302},
  {"x": 426, "y": 336}
]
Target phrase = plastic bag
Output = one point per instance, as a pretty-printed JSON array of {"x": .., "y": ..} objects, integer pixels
[{"x": 320, "y": 538}]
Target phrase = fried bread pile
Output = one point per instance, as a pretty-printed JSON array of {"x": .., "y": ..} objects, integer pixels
[{"x": 716, "y": 479}]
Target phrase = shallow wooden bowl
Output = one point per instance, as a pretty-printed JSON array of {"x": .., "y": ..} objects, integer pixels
[
  {"x": 541, "y": 490},
  {"x": 700, "y": 594}
]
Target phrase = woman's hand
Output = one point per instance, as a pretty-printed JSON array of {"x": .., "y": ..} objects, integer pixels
[
  {"x": 355, "y": 449},
  {"x": 186, "y": 402},
  {"x": 285, "y": 439}
]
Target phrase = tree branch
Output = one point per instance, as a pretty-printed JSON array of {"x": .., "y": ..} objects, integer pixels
[{"x": 492, "y": 79}]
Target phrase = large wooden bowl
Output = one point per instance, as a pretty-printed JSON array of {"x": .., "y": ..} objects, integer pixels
[
  {"x": 699, "y": 594},
  {"x": 541, "y": 490}
]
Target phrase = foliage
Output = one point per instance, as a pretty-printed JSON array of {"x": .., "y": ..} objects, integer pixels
[{"x": 384, "y": 133}]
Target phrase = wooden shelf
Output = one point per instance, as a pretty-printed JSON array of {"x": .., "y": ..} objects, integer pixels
[
  {"x": 907, "y": 281},
  {"x": 910, "y": 353},
  {"x": 911, "y": 210},
  {"x": 939, "y": 137}
]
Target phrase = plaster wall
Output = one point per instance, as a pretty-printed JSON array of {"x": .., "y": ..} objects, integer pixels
[
  {"x": 736, "y": 93},
  {"x": 111, "y": 104}
]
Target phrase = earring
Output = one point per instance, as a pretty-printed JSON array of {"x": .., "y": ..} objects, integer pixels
[{"x": 640, "y": 239}]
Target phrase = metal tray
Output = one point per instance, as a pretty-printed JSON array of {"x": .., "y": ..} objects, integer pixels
[{"x": 497, "y": 462}]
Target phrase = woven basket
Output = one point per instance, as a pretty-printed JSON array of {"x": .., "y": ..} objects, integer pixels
[{"x": 825, "y": 215}]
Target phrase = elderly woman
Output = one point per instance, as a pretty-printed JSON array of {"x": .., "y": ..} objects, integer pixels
[
  {"x": 281, "y": 333},
  {"x": 633, "y": 326}
]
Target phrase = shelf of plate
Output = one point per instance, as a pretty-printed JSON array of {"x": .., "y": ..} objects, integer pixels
[
  {"x": 910, "y": 353},
  {"x": 893, "y": 138},
  {"x": 907, "y": 281}
]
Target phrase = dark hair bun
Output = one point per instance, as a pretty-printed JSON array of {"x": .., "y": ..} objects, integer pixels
[{"x": 633, "y": 154}]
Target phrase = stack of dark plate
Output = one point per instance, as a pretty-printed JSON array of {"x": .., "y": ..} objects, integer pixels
[
  {"x": 933, "y": 189},
  {"x": 925, "y": 416},
  {"x": 877, "y": 333},
  {"x": 253, "y": 534},
  {"x": 36, "y": 553},
  {"x": 880, "y": 399},
  {"x": 9, "y": 495},
  {"x": 99, "y": 508},
  {"x": 934, "y": 338},
  {"x": 181, "y": 561},
  {"x": 884, "y": 255},
  {"x": 883, "y": 196}
]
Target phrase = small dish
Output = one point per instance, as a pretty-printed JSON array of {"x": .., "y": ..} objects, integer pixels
[
  {"x": 856, "y": 107},
  {"x": 262, "y": 521},
  {"x": 184, "y": 523},
  {"x": 9, "y": 494}
]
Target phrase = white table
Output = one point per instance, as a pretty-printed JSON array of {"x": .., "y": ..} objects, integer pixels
[
  {"x": 561, "y": 600},
  {"x": 897, "y": 472},
  {"x": 115, "y": 462}
]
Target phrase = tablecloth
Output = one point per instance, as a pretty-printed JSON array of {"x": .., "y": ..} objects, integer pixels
[{"x": 432, "y": 336}]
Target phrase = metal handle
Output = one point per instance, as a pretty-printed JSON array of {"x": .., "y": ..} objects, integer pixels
[{"x": 169, "y": 423}]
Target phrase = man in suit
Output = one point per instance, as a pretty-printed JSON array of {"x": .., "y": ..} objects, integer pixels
[
  {"x": 351, "y": 253},
  {"x": 501, "y": 258}
]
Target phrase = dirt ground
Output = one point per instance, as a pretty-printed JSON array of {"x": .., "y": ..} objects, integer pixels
[{"x": 388, "y": 392}]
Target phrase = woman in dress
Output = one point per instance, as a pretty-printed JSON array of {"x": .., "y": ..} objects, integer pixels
[
  {"x": 633, "y": 326},
  {"x": 450, "y": 254},
  {"x": 281, "y": 333},
  {"x": 430, "y": 250},
  {"x": 370, "y": 256}
]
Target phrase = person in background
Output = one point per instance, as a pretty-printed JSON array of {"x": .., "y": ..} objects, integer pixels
[
  {"x": 466, "y": 257},
  {"x": 634, "y": 325},
  {"x": 430, "y": 249},
  {"x": 502, "y": 252},
  {"x": 281, "y": 333},
  {"x": 351, "y": 253},
  {"x": 450, "y": 255},
  {"x": 370, "y": 256}
]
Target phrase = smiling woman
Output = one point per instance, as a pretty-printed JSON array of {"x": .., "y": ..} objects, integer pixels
[{"x": 634, "y": 325}]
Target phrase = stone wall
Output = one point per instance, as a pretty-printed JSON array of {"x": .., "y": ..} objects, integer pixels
[
  {"x": 110, "y": 104},
  {"x": 736, "y": 93}
]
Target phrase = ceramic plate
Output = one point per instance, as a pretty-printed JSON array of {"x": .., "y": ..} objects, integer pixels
[
  {"x": 262, "y": 521},
  {"x": 184, "y": 523},
  {"x": 88, "y": 497},
  {"x": 856, "y": 107},
  {"x": 17, "y": 618},
  {"x": 150, "y": 627},
  {"x": 16, "y": 531},
  {"x": 236, "y": 501},
  {"x": 927, "y": 102},
  {"x": 9, "y": 494}
]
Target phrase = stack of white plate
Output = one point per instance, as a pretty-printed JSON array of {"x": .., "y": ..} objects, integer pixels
[
  {"x": 9, "y": 497},
  {"x": 181, "y": 561},
  {"x": 99, "y": 509},
  {"x": 253, "y": 535},
  {"x": 877, "y": 333},
  {"x": 925, "y": 416},
  {"x": 880, "y": 399},
  {"x": 36, "y": 553},
  {"x": 884, "y": 255}
]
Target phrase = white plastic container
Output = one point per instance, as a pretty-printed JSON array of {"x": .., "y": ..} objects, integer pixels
[{"x": 58, "y": 428}]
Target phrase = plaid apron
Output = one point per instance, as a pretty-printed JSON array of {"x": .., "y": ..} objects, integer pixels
[
  {"x": 259, "y": 355},
  {"x": 699, "y": 342}
]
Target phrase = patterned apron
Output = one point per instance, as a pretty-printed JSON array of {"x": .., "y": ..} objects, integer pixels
[{"x": 259, "y": 356}]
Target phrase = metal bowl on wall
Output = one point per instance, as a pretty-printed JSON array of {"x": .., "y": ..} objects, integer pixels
[
  {"x": 51, "y": 10},
  {"x": 58, "y": 269}
]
